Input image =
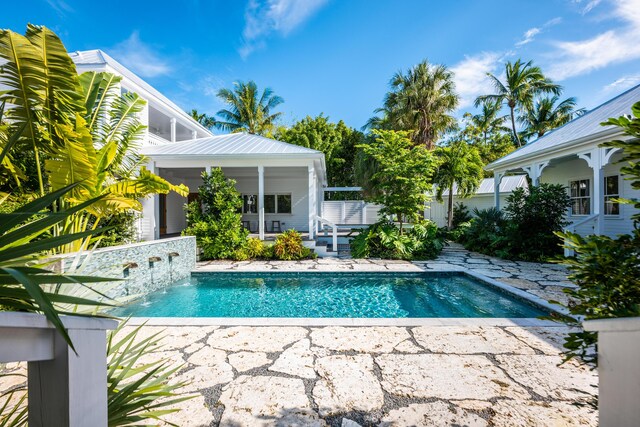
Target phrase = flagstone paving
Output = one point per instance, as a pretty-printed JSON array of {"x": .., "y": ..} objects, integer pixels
[{"x": 468, "y": 375}]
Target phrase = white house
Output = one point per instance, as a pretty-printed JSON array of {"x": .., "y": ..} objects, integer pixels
[
  {"x": 482, "y": 199},
  {"x": 281, "y": 184},
  {"x": 572, "y": 156}
]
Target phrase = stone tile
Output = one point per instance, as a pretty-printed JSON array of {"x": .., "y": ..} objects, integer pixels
[
  {"x": 207, "y": 356},
  {"x": 347, "y": 383},
  {"x": 490, "y": 273},
  {"x": 297, "y": 360},
  {"x": 445, "y": 377},
  {"x": 192, "y": 412},
  {"x": 173, "y": 338},
  {"x": 520, "y": 283},
  {"x": 542, "y": 374},
  {"x": 363, "y": 339},
  {"x": 551, "y": 295},
  {"x": 543, "y": 414},
  {"x": 434, "y": 414},
  {"x": 175, "y": 358},
  {"x": 255, "y": 338},
  {"x": 557, "y": 284},
  {"x": 469, "y": 340},
  {"x": 549, "y": 340},
  {"x": 346, "y": 422},
  {"x": 267, "y": 401},
  {"x": 247, "y": 360},
  {"x": 202, "y": 377},
  {"x": 407, "y": 347}
]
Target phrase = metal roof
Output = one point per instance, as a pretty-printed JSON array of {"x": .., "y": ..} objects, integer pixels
[
  {"x": 507, "y": 185},
  {"x": 233, "y": 144},
  {"x": 577, "y": 129}
]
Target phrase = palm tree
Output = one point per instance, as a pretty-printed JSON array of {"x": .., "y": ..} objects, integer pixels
[
  {"x": 544, "y": 115},
  {"x": 489, "y": 119},
  {"x": 248, "y": 110},
  {"x": 522, "y": 82},
  {"x": 460, "y": 165},
  {"x": 203, "y": 119},
  {"x": 420, "y": 101}
]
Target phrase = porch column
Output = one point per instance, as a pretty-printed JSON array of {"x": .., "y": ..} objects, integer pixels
[
  {"x": 194, "y": 134},
  {"x": 497, "y": 178},
  {"x": 261, "y": 202},
  {"x": 173, "y": 129},
  {"x": 312, "y": 198},
  {"x": 596, "y": 159}
]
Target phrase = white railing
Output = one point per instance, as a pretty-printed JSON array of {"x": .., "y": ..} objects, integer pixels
[
  {"x": 64, "y": 388},
  {"x": 350, "y": 212},
  {"x": 571, "y": 228},
  {"x": 156, "y": 140},
  {"x": 334, "y": 230}
]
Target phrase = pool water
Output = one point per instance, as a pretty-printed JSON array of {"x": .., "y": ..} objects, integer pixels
[{"x": 353, "y": 295}]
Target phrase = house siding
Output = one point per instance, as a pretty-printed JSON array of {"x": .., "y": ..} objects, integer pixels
[
  {"x": 437, "y": 212},
  {"x": 570, "y": 170}
]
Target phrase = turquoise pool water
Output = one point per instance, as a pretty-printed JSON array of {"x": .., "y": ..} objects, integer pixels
[{"x": 367, "y": 295}]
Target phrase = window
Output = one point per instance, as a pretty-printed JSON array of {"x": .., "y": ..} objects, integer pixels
[
  {"x": 273, "y": 203},
  {"x": 611, "y": 193},
  {"x": 580, "y": 197}
]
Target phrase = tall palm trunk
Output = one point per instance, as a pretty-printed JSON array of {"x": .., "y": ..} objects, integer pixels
[
  {"x": 450, "y": 203},
  {"x": 513, "y": 126}
]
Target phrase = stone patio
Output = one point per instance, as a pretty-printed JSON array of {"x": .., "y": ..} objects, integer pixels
[{"x": 469, "y": 374}]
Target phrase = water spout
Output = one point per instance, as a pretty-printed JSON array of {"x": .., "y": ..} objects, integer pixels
[
  {"x": 127, "y": 266},
  {"x": 173, "y": 254},
  {"x": 154, "y": 259}
]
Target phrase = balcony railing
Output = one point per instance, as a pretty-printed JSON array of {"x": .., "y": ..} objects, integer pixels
[{"x": 153, "y": 139}]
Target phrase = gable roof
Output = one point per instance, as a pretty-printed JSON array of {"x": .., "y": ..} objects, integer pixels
[
  {"x": 97, "y": 57},
  {"x": 507, "y": 185},
  {"x": 233, "y": 144},
  {"x": 578, "y": 129}
]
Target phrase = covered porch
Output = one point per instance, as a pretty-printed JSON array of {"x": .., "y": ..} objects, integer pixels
[{"x": 280, "y": 184}]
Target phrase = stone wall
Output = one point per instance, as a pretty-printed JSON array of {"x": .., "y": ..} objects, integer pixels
[{"x": 134, "y": 265}]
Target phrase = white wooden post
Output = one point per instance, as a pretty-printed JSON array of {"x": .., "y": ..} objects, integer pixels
[
  {"x": 156, "y": 206},
  {"x": 312, "y": 196},
  {"x": 596, "y": 159},
  {"x": 194, "y": 134},
  {"x": 364, "y": 212},
  {"x": 343, "y": 212},
  {"x": 65, "y": 389},
  {"x": 173, "y": 129},
  {"x": 261, "y": 202}
]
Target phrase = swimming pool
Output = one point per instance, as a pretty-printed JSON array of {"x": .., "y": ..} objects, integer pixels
[{"x": 332, "y": 295}]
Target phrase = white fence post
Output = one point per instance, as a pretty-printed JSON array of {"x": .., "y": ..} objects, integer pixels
[{"x": 65, "y": 389}]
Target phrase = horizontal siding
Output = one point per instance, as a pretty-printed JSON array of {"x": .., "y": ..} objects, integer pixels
[{"x": 437, "y": 212}]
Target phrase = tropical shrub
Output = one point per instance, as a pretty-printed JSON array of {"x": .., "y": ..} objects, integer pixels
[
  {"x": 460, "y": 214},
  {"x": 288, "y": 246},
  {"x": 214, "y": 219},
  {"x": 119, "y": 229},
  {"x": 401, "y": 176},
  {"x": 254, "y": 247},
  {"x": 138, "y": 381},
  {"x": 484, "y": 232},
  {"x": 384, "y": 240}
]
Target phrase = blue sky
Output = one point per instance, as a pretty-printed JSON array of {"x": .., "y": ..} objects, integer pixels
[{"x": 337, "y": 56}]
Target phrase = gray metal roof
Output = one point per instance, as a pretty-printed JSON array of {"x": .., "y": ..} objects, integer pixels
[
  {"x": 233, "y": 144},
  {"x": 579, "y": 128},
  {"x": 507, "y": 185}
]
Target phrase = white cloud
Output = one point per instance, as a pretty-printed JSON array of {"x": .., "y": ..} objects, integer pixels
[
  {"x": 621, "y": 44},
  {"x": 471, "y": 76},
  {"x": 531, "y": 33},
  {"x": 589, "y": 5},
  {"x": 140, "y": 57},
  {"x": 623, "y": 83},
  {"x": 60, "y": 6},
  {"x": 264, "y": 17}
]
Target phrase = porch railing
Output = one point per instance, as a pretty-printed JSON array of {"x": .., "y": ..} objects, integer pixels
[
  {"x": 573, "y": 227},
  {"x": 156, "y": 139},
  {"x": 334, "y": 230}
]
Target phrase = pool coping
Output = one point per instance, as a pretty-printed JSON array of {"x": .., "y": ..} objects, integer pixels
[{"x": 405, "y": 321}]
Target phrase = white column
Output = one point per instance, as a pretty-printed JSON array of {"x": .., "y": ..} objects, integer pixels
[
  {"x": 173, "y": 129},
  {"x": 312, "y": 197},
  {"x": 261, "y": 202},
  {"x": 598, "y": 197},
  {"x": 194, "y": 134},
  {"x": 497, "y": 177}
]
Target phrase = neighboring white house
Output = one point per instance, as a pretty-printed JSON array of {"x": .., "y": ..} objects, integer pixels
[
  {"x": 571, "y": 155},
  {"x": 482, "y": 199},
  {"x": 281, "y": 184}
]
